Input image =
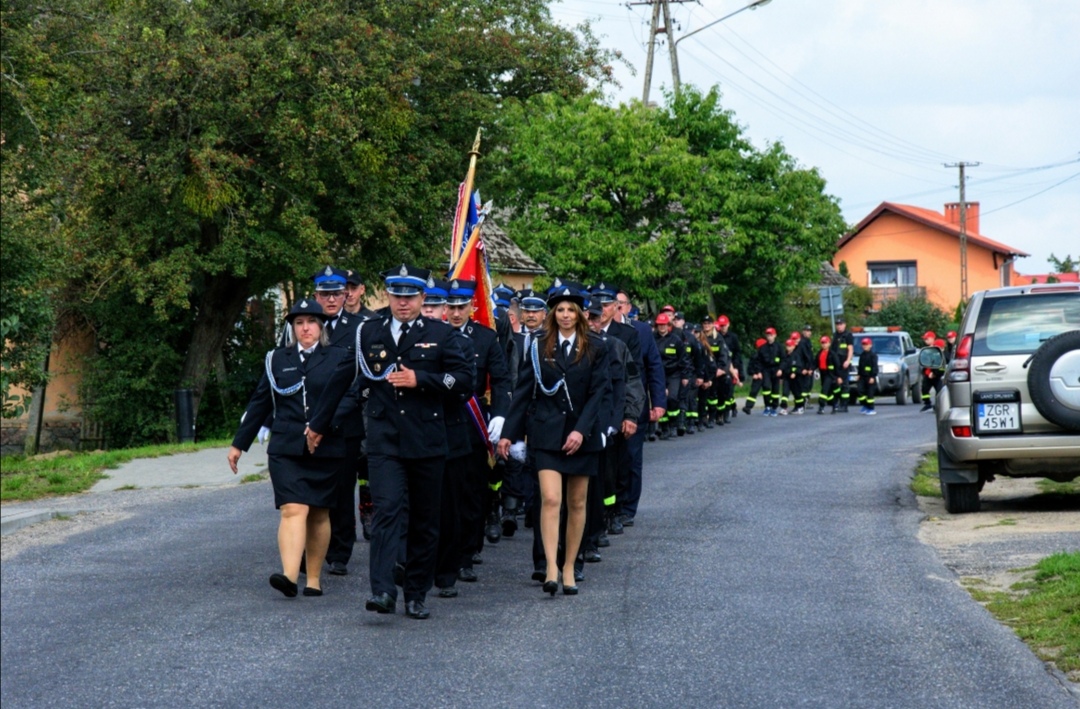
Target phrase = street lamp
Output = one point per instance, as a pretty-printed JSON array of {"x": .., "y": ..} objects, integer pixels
[{"x": 674, "y": 47}]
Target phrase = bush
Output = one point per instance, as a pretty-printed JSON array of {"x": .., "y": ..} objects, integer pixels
[{"x": 914, "y": 314}]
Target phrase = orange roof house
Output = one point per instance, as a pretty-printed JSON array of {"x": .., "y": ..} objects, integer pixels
[{"x": 899, "y": 249}]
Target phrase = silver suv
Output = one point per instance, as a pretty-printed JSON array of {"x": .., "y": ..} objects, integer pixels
[{"x": 1011, "y": 401}]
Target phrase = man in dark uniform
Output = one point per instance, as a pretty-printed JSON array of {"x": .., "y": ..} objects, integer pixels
[
  {"x": 341, "y": 327},
  {"x": 688, "y": 393},
  {"x": 843, "y": 343},
  {"x": 719, "y": 395},
  {"x": 491, "y": 372},
  {"x": 609, "y": 326},
  {"x": 676, "y": 372},
  {"x": 723, "y": 325},
  {"x": 354, "y": 296},
  {"x": 770, "y": 355},
  {"x": 806, "y": 357},
  {"x": 411, "y": 365},
  {"x": 652, "y": 374}
]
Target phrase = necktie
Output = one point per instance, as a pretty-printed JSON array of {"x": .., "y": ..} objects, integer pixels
[
  {"x": 330, "y": 326},
  {"x": 404, "y": 331},
  {"x": 566, "y": 349}
]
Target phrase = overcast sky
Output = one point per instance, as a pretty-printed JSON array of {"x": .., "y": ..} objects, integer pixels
[{"x": 878, "y": 94}]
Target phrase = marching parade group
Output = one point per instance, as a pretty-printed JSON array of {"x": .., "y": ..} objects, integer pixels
[{"x": 457, "y": 432}]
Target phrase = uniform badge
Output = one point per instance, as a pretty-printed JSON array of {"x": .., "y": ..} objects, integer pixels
[
  {"x": 557, "y": 283},
  {"x": 303, "y": 303},
  {"x": 378, "y": 367},
  {"x": 430, "y": 282},
  {"x": 328, "y": 272},
  {"x": 382, "y": 354},
  {"x": 404, "y": 270},
  {"x": 449, "y": 381}
]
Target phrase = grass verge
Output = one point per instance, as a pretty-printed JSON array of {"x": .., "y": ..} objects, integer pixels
[
  {"x": 1044, "y": 611},
  {"x": 925, "y": 480},
  {"x": 68, "y": 472}
]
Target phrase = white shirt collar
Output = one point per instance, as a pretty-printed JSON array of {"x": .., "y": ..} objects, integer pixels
[{"x": 572, "y": 339}]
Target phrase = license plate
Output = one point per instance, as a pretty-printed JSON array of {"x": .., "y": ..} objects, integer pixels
[{"x": 997, "y": 418}]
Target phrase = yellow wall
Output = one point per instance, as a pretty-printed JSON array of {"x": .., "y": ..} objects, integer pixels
[{"x": 892, "y": 237}]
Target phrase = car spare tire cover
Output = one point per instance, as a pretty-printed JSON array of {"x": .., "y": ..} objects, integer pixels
[{"x": 1054, "y": 380}]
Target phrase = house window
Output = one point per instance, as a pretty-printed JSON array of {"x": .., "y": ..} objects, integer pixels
[{"x": 891, "y": 275}]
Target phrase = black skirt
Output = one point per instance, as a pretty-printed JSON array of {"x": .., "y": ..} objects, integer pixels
[
  {"x": 578, "y": 464},
  {"x": 306, "y": 480}
]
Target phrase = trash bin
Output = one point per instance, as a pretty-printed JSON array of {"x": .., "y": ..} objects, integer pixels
[{"x": 185, "y": 415}]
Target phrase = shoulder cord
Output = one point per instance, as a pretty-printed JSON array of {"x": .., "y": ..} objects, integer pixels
[
  {"x": 361, "y": 361},
  {"x": 535, "y": 354},
  {"x": 275, "y": 389}
]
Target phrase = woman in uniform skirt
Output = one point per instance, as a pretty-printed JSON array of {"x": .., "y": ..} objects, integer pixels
[
  {"x": 556, "y": 408},
  {"x": 305, "y": 484}
]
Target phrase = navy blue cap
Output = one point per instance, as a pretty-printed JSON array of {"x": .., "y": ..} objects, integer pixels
[
  {"x": 566, "y": 290},
  {"x": 530, "y": 300},
  {"x": 329, "y": 279},
  {"x": 406, "y": 280},
  {"x": 306, "y": 307},
  {"x": 353, "y": 277},
  {"x": 604, "y": 292},
  {"x": 502, "y": 294},
  {"x": 435, "y": 292},
  {"x": 460, "y": 292}
]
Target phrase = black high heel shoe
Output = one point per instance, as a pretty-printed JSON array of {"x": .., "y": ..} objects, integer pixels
[
  {"x": 569, "y": 590},
  {"x": 550, "y": 587}
]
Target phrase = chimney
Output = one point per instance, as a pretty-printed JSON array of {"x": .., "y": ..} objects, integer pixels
[{"x": 952, "y": 216}]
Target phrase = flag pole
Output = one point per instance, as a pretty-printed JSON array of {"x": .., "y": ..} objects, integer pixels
[{"x": 457, "y": 238}]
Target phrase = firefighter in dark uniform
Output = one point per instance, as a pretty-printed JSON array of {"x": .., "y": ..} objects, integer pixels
[
  {"x": 769, "y": 356},
  {"x": 931, "y": 378},
  {"x": 843, "y": 344},
  {"x": 830, "y": 370},
  {"x": 723, "y": 325},
  {"x": 720, "y": 395},
  {"x": 806, "y": 348},
  {"x": 330, "y": 293},
  {"x": 757, "y": 378},
  {"x": 689, "y": 392},
  {"x": 868, "y": 374},
  {"x": 676, "y": 372},
  {"x": 491, "y": 373},
  {"x": 410, "y": 365}
]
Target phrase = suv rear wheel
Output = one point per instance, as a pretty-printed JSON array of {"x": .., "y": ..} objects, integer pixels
[
  {"x": 960, "y": 497},
  {"x": 902, "y": 392}
]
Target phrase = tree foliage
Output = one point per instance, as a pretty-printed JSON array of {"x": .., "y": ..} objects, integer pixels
[
  {"x": 673, "y": 203},
  {"x": 914, "y": 314},
  {"x": 1064, "y": 265},
  {"x": 202, "y": 151}
]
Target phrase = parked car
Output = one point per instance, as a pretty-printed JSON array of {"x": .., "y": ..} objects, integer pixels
[
  {"x": 899, "y": 373},
  {"x": 1011, "y": 401}
]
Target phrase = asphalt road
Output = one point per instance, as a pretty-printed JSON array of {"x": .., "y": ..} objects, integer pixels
[{"x": 774, "y": 563}]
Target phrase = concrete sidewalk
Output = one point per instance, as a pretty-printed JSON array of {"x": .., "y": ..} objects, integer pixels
[{"x": 203, "y": 468}]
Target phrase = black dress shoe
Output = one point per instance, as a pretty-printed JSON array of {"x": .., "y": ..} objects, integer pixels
[
  {"x": 509, "y": 525},
  {"x": 476, "y": 558},
  {"x": 579, "y": 575},
  {"x": 467, "y": 575},
  {"x": 448, "y": 592},
  {"x": 282, "y": 583},
  {"x": 337, "y": 568},
  {"x": 591, "y": 556},
  {"x": 312, "y": 591},
  {"x": 627, "y": 521},
  {"x": 615, "y": 526},
  {"x": 569, "y": 590},
  {"x": 416, "y": 609},
  {"x": 550, "y": 587},
  {"x": 539, "y": 575},
  {"x": 602, "y": 541},
  {"x": 381, "y": 603},
  {"x": 399, "y": 575}
]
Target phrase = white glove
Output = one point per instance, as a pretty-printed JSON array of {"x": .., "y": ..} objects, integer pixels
[
  {"x": 610, "y": 431},
  {"x": 517, "y": 451},
  {"x": 603, "y": 440},
  {"x": 495, "y": 429},
  {"x": 264, "y": 433}
]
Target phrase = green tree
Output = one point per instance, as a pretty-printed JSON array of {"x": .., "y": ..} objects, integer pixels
[
  {"x": 1064, "y": 265},
  {"x": 204, "y": 151},
  {"x": 913, "y": 314},
  {"x": 672, "y": 203}
]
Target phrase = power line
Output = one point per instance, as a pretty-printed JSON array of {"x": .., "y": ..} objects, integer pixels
[{"x": 1036, "y": 194}]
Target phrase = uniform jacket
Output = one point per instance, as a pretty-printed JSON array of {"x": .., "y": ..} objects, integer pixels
[
  {"x": 489, "y": 358},
  {"x": 629, "y": 395},
  {"x": 769, "y": 356},
  {"x": 653, "y": 372},
  {"x": 868, "y": 366},
  {"x": 322, "y": 377},
  {"x": 802, "y": 358},
  {"x": 829, "y": 366},
  {"x": 842, "y": 344},
  {"x": 409, "y": 422},
  {"x": 673, "y": 354},
  {"x": 545, "y": 421},
  {"x": 720, "y": 353},
  {"x": 732, "y": 342}
]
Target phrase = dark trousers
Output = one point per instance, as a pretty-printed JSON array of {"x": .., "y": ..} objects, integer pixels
[
  {"x": 867, "y": 392},
  {"x": 926, "y": 384},
  {"x": 674, "y": 412},
  {"x": 396, "y": 482},
  {"x": 796, "y": 387},
  {"x": 471, "y": 504},
  {"x": 448, "y": 556},
  {"x": 603, "y": 501},
  {"x": 830, "y": 390},
  {"x": 635, "y": 453},
  {"x": 343, "y": 514}
]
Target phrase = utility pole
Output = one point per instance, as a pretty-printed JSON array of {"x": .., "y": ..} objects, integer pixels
[
  {"x": 655, "y": 29},
  {"x": 963, "y": 227}
]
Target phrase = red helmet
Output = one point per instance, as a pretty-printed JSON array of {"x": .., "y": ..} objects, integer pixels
[
  {"x": 939, "y": 343},
  {"x": 929, "y": 335},
  {"x": 667, "y": 309},
  {"x": 950, "y": 334},
  {"x": 867, "y": 341},
  {"x": 792, "y": 343},
  {"x": 794, "y": 336},
  {"x": 760, "y": 341},
  {"x": 663, "y": 318},
  {"x": 722, "y": 320},
  {"x": 770, "y": 331},
  {"x": 824, "y": 340}
]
